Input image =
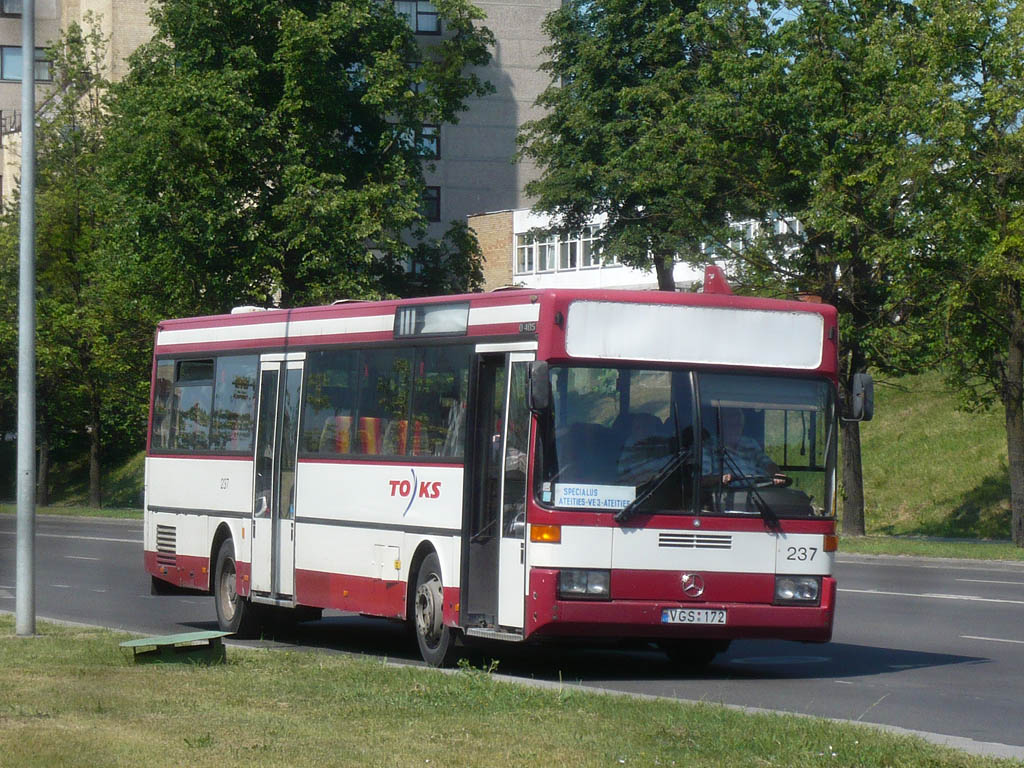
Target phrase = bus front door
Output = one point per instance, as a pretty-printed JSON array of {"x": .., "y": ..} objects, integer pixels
[
  {"x": 273, "y": 512},
  {"x": 494, "y": 579}
]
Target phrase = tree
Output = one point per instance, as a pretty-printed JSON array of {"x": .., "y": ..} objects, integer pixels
[
  {"x": 968, "y": 264},
  {"x": 265, "y": 151},
  {"x": 638, "y": 127},
  {"x": 841, "y": 154},
  {"x": 676, "y": 119},
  {"x": 81, "y": 349}
]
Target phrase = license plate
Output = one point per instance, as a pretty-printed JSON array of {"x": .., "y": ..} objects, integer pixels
[{"x": 692, "y": 616}]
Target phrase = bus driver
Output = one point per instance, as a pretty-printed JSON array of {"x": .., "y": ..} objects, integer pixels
[{"x": 734, "y": 457}]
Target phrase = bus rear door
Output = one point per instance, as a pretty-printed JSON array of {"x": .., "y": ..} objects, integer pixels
[{"x": 274, "y": 491}]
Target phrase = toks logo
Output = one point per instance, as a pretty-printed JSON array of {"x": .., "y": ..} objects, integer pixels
[{"x": 415, "y": 489}]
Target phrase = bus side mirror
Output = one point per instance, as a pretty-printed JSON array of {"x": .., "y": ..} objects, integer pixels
[
  {"x": 538, "y": 392},
  {"x": 862, "y": 398}
]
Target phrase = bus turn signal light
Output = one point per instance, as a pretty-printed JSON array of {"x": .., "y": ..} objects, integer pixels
[
  {"x": 549, "y": 534},
  {"x": 831, "y": 542}
]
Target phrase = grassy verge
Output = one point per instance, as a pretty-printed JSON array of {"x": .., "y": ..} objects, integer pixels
[
  {"x": 920, "y": 547},
  {"x": 71, "y": 698},
  {"x": 71, "y": 510}
]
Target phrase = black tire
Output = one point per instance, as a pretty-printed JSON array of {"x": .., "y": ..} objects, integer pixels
[
  {"x": 234, "y": 612},
  {"x": 693, "y": 655},
  {"x": 436, "y": 641}
]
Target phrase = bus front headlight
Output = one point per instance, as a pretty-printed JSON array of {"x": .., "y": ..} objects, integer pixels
[
  {"x": 797, "y": 590},
  {"x": 580, "y": 584}
]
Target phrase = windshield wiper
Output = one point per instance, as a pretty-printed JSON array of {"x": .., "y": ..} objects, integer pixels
[
  {"x": 654, "y": 483},
  {"x": 771, "y": 520}
]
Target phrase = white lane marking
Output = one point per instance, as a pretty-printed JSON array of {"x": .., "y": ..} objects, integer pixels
[
  {"x": 988, "y": 581},
  {"x": 992, "y": 639},
  {"x": 80, "y": 557},
  {"x": 76, "y": 538},
  {"x": 61, "y": 586},
  {"x": 934, "y": 596},
  {"x": 88, "y": 538}
]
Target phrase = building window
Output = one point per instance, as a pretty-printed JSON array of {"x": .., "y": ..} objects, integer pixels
[
  {"x": 567, "y": 253},
  {"x": 590, "y": 256},
  {"x": 525, "y": 248},
  {"x": 546, "y": 250},
  {"x": 421, "y": 15},
  {"x": 10, "y": 7},
  {"x": 432, "y": 203},
  {"x": 429, "y": 141},
  {"x": 561, "y": 253},
  {"x": 10, "y": 64}
]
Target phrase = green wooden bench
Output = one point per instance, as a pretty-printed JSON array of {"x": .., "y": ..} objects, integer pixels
[{"x": 205, "y": 647}]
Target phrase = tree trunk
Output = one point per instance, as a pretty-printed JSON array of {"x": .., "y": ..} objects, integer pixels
[
  {"x": 1013, "y": 403},
  {"x": 853, "y": 480},
  {"x": 95, "y": 498},
  {"x": 663, "y": 266},
  {"x": 43, "y": 471},
  {"x": 852, "y": 470}
]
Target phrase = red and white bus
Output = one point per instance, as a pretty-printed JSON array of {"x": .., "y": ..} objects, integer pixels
[{"x": 517, "y": 465}]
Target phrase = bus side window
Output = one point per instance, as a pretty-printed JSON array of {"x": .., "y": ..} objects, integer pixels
[
  {"x": 330, "y": 396},
  {"x": 234, "y": 404},
  {"x": 193, "y": 401},
  {"x": 385, "y": 387},
  {"x": 439, "y": 402},
  {"x": 162, "y": 404}
]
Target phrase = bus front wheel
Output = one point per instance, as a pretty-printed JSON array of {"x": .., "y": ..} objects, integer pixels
[
  {"x": 435, "y": 639},
  {"x": 234, "y": 613}
]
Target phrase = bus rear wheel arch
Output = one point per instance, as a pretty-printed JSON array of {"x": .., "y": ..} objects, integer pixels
[{"x": 234, "y": 612}]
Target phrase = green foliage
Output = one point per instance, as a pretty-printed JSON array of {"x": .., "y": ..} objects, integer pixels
[
  {"x": 267, "y": 150},
  {"x": 636, "y": 124},
  {"x": 965, "y": 270},
  {"x": 88, "y": 346}
]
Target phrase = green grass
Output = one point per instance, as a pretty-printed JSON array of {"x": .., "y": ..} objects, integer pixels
[
  {"x": 71, "y": 698},
  {"x": 963, "y": 549},
  {"x": 930, "y": 470},
  {"x": 76, "y": 510}
]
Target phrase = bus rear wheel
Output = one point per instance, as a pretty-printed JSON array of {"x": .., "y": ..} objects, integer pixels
[
  {"x": 234, "y": 613},
  {"x": 435, "y": 639}
]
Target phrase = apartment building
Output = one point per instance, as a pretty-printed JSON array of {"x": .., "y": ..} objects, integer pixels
[
  {"x": 474, "y": 171},
  {"x": 124, "y": 23}
]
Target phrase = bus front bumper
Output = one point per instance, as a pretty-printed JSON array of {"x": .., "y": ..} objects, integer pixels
[{"x": 549, "y": 616}]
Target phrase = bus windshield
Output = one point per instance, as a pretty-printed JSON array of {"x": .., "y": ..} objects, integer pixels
[{"x": 682, "y": 442}]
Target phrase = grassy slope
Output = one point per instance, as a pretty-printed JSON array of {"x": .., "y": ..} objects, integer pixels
[
  {"x": 70, "y": 698},
  {"x": 930, "y": 470}
]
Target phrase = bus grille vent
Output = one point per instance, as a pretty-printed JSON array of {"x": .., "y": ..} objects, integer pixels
[
  {"x": 695, "y": 540},
  {"x": 166, "y": 545}
]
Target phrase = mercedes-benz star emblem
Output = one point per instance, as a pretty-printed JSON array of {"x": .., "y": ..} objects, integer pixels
[{"x": 693, "y": 584}]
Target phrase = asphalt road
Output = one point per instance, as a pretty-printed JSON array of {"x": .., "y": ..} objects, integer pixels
[{"x": 931, "y": 646}]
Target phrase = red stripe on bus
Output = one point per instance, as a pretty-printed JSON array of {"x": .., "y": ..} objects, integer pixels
[
  {"x": 373, "y": 461},
  {"x": 704, "y": 524},
  {"x": 350, "y": 593},
  {"x": 200, "y": 456},
  {"x": 180, "y": 570}
]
